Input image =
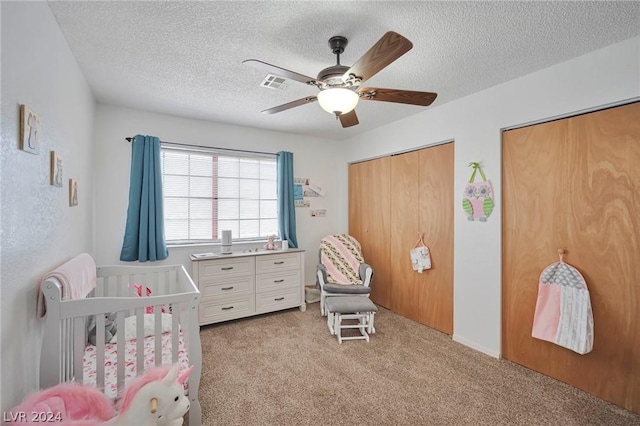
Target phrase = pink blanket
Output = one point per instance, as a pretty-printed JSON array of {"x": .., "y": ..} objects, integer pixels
[{"x": 77, "y": 278}]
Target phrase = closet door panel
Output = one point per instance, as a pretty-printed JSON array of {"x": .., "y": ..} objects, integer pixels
[
  {"x": 436, "y": 221},
  {"x": 377, "y": 231},
  {"x": 357, "y": 196},
  {"x": 591, "y": 179},
  {"x": 604, "y": 243},
  {"x": 533, "y": 229},
  {"x": 369, "y": 221},
  {"x": 405, "y": 290}
]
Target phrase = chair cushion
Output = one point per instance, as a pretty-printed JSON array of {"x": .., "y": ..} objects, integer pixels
[
  {"x": 346, "y": 289},
  {"x": 349, "y": 305},
  {"x": 341, "y": 255}
]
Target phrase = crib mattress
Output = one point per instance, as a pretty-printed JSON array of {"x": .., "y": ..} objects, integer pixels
[{"x": 111, "y": 361}]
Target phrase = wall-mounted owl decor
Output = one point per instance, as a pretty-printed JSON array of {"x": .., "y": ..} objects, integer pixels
[{"x": 477, "y": 200}]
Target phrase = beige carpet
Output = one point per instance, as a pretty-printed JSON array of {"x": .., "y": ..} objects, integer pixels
[{"x": 285, "y": 369}]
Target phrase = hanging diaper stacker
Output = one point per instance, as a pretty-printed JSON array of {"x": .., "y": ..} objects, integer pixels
[
  {"x": 477, "y": 201},
  {"x": 563, "y": 310},
  {"x": 420, "y": 257}
]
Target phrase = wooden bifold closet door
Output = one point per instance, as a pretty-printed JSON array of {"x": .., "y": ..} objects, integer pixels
[
  {"x": 369, "y": 210},
  {"x": 574, "y": 184},
  {"x": 407, "y": 194}
]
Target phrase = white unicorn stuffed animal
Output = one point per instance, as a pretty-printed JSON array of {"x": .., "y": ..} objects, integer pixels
[{"x": 155, "y": 399}]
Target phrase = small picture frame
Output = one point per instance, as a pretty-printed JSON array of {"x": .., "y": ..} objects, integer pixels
[
  {"x": 56, "y": 169},
  {"x": 29, "y": 130},
  {"x": 73, "y": 192}
]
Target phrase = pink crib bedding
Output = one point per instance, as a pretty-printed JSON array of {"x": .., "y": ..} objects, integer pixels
[{"x": 111, "y": 361}]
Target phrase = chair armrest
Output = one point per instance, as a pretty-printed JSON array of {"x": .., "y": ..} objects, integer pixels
[
  {"x": 321, "y": 275},
  {"x": 366, "y": 273}
]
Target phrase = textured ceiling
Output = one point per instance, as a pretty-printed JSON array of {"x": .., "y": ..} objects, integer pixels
[{"x": 185, "y": 58}]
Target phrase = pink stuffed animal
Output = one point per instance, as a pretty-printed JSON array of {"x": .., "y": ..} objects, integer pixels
[
  {"x": 66, "y": 404},
  {"x": 138, "y": 288},
  {"x": 271, "y": 243},
  {"x": 155, "y": 399}
]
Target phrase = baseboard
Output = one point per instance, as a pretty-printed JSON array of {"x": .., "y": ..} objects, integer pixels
[{"x": 476, "y": 346}]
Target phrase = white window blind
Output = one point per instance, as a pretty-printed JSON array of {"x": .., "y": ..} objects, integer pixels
[{"x": 207, "y": 191}]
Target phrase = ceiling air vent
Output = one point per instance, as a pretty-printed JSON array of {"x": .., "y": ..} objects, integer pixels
[{"x": 274, "y": 82}]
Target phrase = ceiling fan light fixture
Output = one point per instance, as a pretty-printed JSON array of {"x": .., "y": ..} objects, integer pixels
[{"x": 338, "y": 100}]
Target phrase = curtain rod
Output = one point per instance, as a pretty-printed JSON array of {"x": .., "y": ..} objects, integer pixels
[{"x": 129, "y": 139}]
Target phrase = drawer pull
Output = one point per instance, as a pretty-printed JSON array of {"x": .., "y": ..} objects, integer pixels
[
  {"x": 226, "y": 288},
  {"x": 228, "y": 268},
  {"x": 279, "y": 299},
  {"x": 278, "y": 263},
  {"x": 278, "y": 281},
  {"x": 227, "y": 308}
]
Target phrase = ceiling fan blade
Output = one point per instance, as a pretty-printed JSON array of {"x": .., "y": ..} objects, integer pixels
[
  {"x": 291, "y": 104},
  {"x": 399, "y": 96},
  {"x": 349, "y": 119},
  {"x": 389, "y": 48},
  {"x": 263, "y": 66}
]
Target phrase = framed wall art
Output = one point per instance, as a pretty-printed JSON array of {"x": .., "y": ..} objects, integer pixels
[
  {"x": 73, "y": 192},
  {"x": 29, "y": 130},
  {"x": 56, "y": 169}
]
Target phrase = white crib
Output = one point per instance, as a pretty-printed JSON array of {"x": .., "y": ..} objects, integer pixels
[{"x": 65, "y": 345}]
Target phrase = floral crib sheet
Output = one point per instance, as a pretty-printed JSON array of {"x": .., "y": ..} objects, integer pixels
[{"x": 111, "y": 361}]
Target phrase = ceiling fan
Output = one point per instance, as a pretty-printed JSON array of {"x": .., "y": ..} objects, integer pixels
[{"x": 340, "y": 85}]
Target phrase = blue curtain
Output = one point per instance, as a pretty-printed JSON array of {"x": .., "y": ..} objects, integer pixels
[
  {"x": 144, "y": 233},
  {"x": 286, "y": 205}
]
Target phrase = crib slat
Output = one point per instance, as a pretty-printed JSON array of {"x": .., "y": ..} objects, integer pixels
[
  {"x": 64, "y": 324},
  {"x": 175, "y": 332},
  {"x": 79, "y": 340},
  {"x": 69, "y": 348},
  {"x": 140, "y": 340},
  {"x": 120, "y": 349},
  {"x": 100, "y": 341},
  {"x": 157, "y": 312},
  {"x": 163, "y": 283},
  {"x": 121, "y": 287}
]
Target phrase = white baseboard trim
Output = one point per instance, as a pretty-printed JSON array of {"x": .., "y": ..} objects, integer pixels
[{"x": 476, "y": 346}]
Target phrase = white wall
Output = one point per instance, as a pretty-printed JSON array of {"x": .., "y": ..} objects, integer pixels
[
  {"x": 313, "y": 158},
  {"x": 39, "y": 230},
  {"x": 606, "y": 76}
]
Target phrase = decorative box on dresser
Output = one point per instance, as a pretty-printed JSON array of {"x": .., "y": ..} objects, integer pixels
[{"x": 239, "y": 285}]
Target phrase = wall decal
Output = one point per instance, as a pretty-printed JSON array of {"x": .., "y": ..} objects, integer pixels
[
  {"x": 308, "y": 192},
  {"x": 477, "y": 200},
  {"x": 29, "y": 130}
]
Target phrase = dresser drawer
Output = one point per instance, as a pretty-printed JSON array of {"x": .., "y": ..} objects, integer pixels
[
  {"x": 277, "y": 262},
  {"x": 225, "y": 267},
  {"x": 276, "y": 300},
  {"x": 210, "y": 288},
  {"x": 230, "y": 308},
  {"x": 268, "y": 282}
]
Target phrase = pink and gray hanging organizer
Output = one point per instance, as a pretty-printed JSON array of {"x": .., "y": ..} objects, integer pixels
[{"x": 563, "y": 310}]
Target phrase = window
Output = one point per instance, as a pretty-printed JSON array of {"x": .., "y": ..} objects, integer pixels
[{"x": 207, "y": 191}]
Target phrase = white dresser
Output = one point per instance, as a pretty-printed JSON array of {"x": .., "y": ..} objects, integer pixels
[{"x": 243, "y": 284}]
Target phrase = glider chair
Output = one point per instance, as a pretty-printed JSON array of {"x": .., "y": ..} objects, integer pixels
[
  {"x": 342, "y": 270},
  {"x": 344, "y": 281}
]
